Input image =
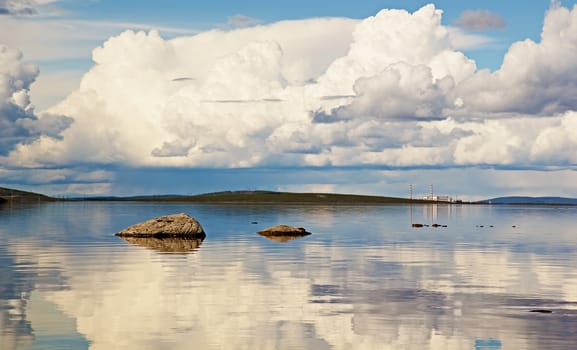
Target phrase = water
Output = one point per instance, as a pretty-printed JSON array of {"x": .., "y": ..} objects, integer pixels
[{"x": 363, "y": 280}]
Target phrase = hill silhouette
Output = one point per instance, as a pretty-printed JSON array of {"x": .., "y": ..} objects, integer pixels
[
  {"x": 13, "y": 195},
  {"x": 266, "y": 197},
  {"x": 531, "y": 200}
]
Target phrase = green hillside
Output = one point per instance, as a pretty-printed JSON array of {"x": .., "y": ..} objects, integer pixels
[
  {"x": 12, "y": 195},
  {"x": 274, "y": 197}
]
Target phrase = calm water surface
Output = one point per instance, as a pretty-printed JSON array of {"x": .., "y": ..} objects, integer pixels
[{"x": 363, "y": 280}]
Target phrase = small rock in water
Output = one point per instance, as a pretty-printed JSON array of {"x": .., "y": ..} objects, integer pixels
[
  {"x": 283, "y": 233},
  {"x": 284, "y": 230}
]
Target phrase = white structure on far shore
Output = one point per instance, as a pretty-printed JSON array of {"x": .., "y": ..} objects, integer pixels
[
  {"x": 432, "y": 197},
  {"x": 435, "y": 198}
]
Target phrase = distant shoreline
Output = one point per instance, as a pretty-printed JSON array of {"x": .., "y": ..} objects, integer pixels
[
  {"x": 266, "y": 197},
  {"x": 271, "y": 197}
]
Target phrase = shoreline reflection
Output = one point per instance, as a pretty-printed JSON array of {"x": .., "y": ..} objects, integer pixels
[{"x": 284, "y": 238}]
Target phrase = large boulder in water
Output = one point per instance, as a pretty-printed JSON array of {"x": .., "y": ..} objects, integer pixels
[{"x": 177, "y": 225}]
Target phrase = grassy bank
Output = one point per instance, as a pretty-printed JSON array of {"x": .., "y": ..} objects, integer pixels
[
  {"x": 267, "y": 197},
  {"x": 8, "y": 195}
]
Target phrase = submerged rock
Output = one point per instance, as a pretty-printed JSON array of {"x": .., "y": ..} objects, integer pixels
[
  {"x": 284, "y": 233},
  {"x": 176, "y": 225}
]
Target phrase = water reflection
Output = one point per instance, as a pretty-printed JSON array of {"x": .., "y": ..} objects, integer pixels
[
  {"x": 283, "y": 238},
  {"x": 381, "y": 285},
  {"x": 15, "y": 287}
]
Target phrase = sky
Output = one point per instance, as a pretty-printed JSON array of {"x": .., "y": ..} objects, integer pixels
[{"x": 478, "y": 99}]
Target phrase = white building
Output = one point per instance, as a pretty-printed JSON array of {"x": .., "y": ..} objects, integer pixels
[{"x": 444, "y": 199}]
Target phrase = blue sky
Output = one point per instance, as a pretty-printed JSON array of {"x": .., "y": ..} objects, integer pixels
[
  {"x": 126, "y": 97},
  {"x": 522, "y": 21}
]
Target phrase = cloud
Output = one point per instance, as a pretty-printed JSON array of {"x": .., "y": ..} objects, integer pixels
[
  {"x": 18, "y": 122},
  {"x": 462, "y": 40},
  {"x": 555, "y": 143},
  {"x": 535, "y": 78},
  {"x": 17, "y": 7},
  {"x": 387, "y": 91},
  {"x": 45, "y": 39},
  {"x": 388, "y": 38},
  {"x": 17, "y": 12},
  {"x": 222, "y": 73},
  {"x": 480, "y": 20},
  {"x": 51, "y": 86},
  {"x": 401, "y": 91},
  {"x": 240, "y": 21},
  {"x": 177, "y": 148},
  {"x": 23, "y": 7}
]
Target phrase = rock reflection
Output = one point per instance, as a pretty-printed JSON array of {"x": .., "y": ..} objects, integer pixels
[
  {"x": 166, "y": 245},
  {"x": 283, "y": 238}
]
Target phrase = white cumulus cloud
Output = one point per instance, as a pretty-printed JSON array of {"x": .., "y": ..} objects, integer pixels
[
  {"x": 535, "y": 78},
  {"x": 390, "y": 90},
  {"x": 18, "y": 122}
]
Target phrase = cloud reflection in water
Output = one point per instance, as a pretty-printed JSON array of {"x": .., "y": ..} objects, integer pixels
[{"x": 386, "y": 288}]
